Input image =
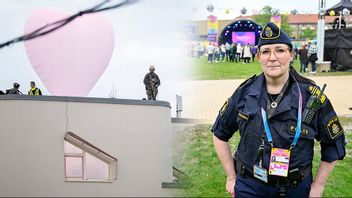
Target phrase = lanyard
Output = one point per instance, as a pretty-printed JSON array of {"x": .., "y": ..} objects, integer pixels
[{"x": 298, "y": 127}]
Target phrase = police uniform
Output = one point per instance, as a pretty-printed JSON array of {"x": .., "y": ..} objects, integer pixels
[{"x": 246, "y": 111}]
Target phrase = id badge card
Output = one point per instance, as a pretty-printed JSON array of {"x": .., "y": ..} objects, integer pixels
[
  {"x": 260, "y": 173},
  {"x": 279, "y": 162}
]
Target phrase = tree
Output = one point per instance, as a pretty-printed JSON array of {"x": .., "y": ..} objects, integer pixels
[
  {"x": 285, "y": 26},
  {"x": 267, "y": 12},
  {"x": 264, "y": 15},
  {"x": 308, "y": 34}
]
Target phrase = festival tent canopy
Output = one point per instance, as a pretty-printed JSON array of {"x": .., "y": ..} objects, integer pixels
[{"x": 340, "y": 6}]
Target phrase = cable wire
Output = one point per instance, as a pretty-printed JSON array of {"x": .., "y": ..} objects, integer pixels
[{"x": 48, "y": 28}]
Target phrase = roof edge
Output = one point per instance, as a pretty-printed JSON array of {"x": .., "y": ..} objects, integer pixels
[{"x": 86, "y": 100}]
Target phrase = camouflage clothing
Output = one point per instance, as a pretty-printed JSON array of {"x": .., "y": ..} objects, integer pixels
[
  {"x": 151, "y": 82},
  {"x": 13, "y": 91}
]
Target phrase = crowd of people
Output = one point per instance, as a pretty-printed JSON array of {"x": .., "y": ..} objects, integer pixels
[
  {"x": 16, "y": 91},
  {"x": 308, "y": 55},
  {"x": 235, "y": 52}
]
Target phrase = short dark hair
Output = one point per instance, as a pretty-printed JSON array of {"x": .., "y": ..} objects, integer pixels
[{"x": 32, "y": 82}]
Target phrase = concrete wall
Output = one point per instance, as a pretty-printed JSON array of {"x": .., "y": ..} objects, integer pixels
[{"x": 32, "y": 129}]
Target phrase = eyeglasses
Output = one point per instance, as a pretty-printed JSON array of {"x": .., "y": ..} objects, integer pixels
[{"x": 278, "y": 53}]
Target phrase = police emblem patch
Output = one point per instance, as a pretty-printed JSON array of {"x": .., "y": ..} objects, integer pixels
[
  {"x": 268, "y": 32},
  {"x": 334, "y": 128}
]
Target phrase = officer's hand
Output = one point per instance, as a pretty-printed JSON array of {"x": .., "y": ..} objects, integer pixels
[
  {"x": 230, "y": 186},
  {"x": 316, "y": 190}
]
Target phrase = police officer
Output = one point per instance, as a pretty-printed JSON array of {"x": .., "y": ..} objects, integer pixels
[
  {"x": 34, "y": 90},
  {"x": 278, "y": 115},
  {"x": 151, "y": 82},
  {"x": 15, "y": 90}
]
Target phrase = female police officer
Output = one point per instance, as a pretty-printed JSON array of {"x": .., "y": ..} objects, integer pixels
[{"x": 278, "y": 115}]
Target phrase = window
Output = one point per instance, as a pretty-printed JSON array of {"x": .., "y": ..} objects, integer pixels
[{"x": 85, "y": 162}]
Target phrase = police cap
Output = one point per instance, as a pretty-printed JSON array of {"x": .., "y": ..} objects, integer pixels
[{"x": 272, "y": 34}]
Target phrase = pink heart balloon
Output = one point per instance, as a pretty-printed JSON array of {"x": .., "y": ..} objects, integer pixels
[{"x": 69, "y": 61}]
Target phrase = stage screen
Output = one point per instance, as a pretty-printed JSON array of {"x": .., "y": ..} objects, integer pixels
[{"x": 243, "y": 37}]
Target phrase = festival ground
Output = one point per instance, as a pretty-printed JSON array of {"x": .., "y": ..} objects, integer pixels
[{"x": 207, "y": 96}]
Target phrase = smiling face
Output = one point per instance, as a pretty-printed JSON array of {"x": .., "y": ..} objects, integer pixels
[{"x": 275, "y": 59}]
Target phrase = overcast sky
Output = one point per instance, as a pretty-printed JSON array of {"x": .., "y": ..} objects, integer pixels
[{"x": 147, "y": 32}]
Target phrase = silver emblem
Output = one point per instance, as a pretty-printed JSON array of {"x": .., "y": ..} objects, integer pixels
[{"x": 273, "y": 104}]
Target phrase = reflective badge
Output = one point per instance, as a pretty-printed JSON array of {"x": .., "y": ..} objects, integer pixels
[
  {"x": 303, "y": 130},
  {"x": 224, "y": 107},
  {"x": 260, "y": 173},
  {"x": 243, "y": 116},
  {"x": 334, "y": 128},
  {"x": 279, "y": 162}
]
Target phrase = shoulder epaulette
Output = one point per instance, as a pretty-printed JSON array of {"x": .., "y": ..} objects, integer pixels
[
  {"x": 315, "y": 90},
  {"x": 248, "y": 80}
]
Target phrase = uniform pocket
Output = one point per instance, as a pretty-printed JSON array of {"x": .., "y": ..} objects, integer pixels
[
  {"x": 242, "y": 121},
  {"x": 250, "y": 137},
  {"x": 247, "y": 123}
]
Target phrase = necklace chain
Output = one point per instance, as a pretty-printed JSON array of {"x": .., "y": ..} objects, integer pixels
[{"x": 273, "y": 104}]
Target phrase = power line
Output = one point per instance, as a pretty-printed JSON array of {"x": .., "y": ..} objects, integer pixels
[{"x": 48, "y": 28}]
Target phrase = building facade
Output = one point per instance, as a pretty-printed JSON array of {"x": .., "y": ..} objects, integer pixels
[{"x": 133, "y": 137}]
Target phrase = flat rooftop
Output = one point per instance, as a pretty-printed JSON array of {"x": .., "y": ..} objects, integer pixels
[{"x": 87, "y": 100}]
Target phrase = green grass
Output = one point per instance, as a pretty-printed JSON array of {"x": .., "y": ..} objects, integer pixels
[
  {"x": 195, "y": 155},
  {"x": 202, "y": 70}
]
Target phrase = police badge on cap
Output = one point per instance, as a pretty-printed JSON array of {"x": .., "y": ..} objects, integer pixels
[{"x": 272, "y": 34}]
